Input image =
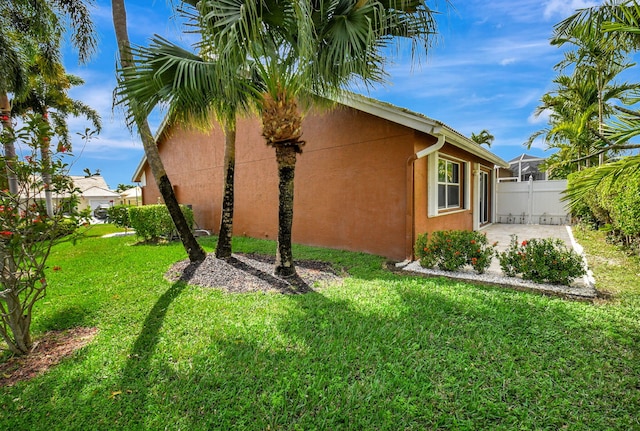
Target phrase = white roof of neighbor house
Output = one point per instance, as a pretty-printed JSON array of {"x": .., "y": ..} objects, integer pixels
[
  {"x": 131, "y": 193},
  {"x": 94, "y": 186},
  {"x": 98, "y": 192},
  {"x": 396, "y": 115},
  {"x": 90, "y": 187}
]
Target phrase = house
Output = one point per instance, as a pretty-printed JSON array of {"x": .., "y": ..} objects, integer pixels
[
  {"x": 132, "y": 196},
  {"x": 371, "y": 178},
  {"x": 94, "y": 192},
  {"x": 522, "y": 168}
]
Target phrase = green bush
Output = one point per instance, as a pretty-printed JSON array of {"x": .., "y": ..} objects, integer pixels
[
  {"x": 119, "y": 215},
  {"x": 542, "y": 261},
  {"x": 151, "y": 222},
  {"x": 65, "y": 227},
  {"x": 614, "y": 204},
  {"x": 453, "y": 249}
]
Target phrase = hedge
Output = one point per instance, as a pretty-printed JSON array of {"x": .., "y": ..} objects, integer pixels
[{"x": 151, "y": 222}]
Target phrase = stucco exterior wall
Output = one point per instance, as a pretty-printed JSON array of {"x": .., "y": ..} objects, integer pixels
[{"x": 350, "y": 186}]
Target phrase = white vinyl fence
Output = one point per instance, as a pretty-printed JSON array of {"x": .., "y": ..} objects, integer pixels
[{"x": 532, "y": 202}]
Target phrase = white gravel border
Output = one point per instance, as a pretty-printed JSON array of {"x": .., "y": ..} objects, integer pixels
[{"x": 583, "y": 289}]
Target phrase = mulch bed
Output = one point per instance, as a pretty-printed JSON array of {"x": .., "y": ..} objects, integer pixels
[
  {"x": 47, "y": 351},
  {"x": 244, "y": 273}
]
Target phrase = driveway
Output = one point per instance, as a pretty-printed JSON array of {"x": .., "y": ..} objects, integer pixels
[{"x": 502, "y": 233}]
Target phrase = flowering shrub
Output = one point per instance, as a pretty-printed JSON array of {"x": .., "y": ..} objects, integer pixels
[
  {"x": 542, "y": 261},
  {"x": 453, "y": 249},
  {"x": 27, "y": 231}
]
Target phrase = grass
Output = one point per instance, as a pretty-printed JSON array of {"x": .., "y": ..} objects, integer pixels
[{"x": 379, "y": 352}]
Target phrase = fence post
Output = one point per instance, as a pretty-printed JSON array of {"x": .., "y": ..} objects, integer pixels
[{"x": 530, "y": 206}]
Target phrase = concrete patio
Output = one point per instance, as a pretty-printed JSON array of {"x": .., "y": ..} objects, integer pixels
[{"x": 581, "y": 289}]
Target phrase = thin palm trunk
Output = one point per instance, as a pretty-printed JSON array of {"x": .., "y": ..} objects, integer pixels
[
  {"x": 192, "y": 247},
  {"x": 9, "y": 145},
  {"x": 286, "y": 158},
  {"x": 223, "y": 248}
]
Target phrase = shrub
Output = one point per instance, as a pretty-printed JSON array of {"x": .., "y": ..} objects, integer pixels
[
  {"x": 542, "y": 261},
  {"x": 151, "y": 222},
  {"x": 453, "y": 249},
  {"x": 119, "y": 215}
]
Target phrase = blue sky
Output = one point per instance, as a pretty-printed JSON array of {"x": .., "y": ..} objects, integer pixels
[{"x": 491, "y": 64}]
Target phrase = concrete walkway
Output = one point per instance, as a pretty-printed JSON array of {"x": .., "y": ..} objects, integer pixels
[
  {"x": 503, "y": 232},
  {"x": 582, "y": 288}
]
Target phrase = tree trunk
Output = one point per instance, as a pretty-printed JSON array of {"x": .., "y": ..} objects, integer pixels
[
  {"x": 45, "y": 151},
  {"x": 9, "y": 146},
  {"x": 191, "y": 246},
  {"x": 18, "y": 338},
  {"x": 223, "y": 248},
  {"x": 286, "y": 158}
]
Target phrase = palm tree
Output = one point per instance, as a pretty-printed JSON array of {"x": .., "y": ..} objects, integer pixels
[
  {"x": 599, "y": 56},
  {"x": 52, "y": 102},
  {"x": 484, "y": 137},
  {"x": 624, "y": 22},
  {"x": 196, "y": 88},
  {"x": 191, "y": 245},
  {"x": 32, "y": 29},
  {"x": 301, "y": 51}
]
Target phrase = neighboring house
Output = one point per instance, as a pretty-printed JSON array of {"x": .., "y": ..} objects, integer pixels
[
  {"x": 371, "y": 178},
  {"x": 522, "y": 168},
  {"x": 132, "y": 196},
  {"x": 94, "y": 192}
]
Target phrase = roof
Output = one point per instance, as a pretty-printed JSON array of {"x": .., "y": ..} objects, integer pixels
[
  {"x": 395, "y": 114},
  {"x": 131, "y": 193},
  {"x": 90, "y": 187}
]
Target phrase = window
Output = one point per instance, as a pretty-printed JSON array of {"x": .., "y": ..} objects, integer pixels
[{"x": 450, "y": 184}]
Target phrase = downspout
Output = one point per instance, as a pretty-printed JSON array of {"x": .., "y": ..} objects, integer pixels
[{"x": 409, "y": 223}]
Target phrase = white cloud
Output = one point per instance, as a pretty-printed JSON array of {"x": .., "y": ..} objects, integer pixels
[
  {"x": 564, "y": 8},
  {"x": 542, "y": 118},
  {"x": 507, "y": 61}
]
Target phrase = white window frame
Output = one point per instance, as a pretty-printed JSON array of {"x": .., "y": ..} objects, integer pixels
[{"x": 432, "y": 186}]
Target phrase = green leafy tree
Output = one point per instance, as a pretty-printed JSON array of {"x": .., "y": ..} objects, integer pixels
[{"x": 27, "y": 233}]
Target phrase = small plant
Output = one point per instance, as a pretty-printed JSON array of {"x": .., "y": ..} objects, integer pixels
[
  {"x": 453, "y": 249},
  {"x": 541, "y": 261}
]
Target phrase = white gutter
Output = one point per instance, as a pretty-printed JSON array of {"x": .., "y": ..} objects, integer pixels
[{"x": 410, "y": 205}]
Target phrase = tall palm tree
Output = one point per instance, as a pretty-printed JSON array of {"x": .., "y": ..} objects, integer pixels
[
  {"x": 32, "y": 29},
  {"x": 50, "y": 100},
  {"x": 599, "y": 56},
  {"x": 303, "y": 50},
  {"x": 623, "y": 22},
  {"x": 195, "y": 88},
  {"x": 191, "y": 245}
]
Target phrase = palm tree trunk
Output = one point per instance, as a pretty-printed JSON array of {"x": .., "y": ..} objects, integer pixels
[
  {"x": 9, "y": 146},
  {"x": 223, "y": 248},
  {"x": 191, "y": 246},
  {"x": 286, "y": 158}
]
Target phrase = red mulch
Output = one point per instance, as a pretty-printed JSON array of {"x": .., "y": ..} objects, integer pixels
[{"x": 47, "y": 351}]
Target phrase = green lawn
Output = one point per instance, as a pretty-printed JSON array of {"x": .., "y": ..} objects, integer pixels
[{"x": 380, "y": 352}]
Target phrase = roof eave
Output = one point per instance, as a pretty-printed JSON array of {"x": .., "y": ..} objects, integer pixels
[{"x": 421, "y": 123}]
